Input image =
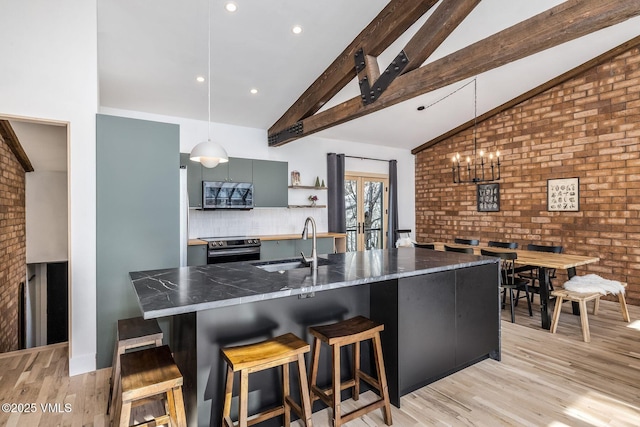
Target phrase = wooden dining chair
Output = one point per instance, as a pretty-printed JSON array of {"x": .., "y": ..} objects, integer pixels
[
  {"x": 456, "y": 249},
  {"x": 472, "y": 242},
  {"x": 529, "y": 272},
  {"x": 509, "y": 282},
  {"x": 505, "y": 245}
]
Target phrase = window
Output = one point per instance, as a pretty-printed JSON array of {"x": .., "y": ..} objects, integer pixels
[{"x": 366, "y": 212}]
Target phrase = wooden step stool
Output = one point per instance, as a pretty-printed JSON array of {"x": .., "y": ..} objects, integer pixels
[
  {"x": 271, "y": 353},
  {"x": 149, "y": 374},
  {"x": 351, "y": 331},
  {"x": 582, "y": 299},
  {"x": 132, "y": 333}
]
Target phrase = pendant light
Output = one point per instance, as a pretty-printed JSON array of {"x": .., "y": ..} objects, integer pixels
[
  {"x": 209, "y": 153},
  {"x": 475, "y": 174}
]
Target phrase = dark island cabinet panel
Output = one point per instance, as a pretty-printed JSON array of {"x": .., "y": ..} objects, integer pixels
[
  {"x": 426, "y": 317},
  {"x": 477, "y": 313},
  {"x": 447, "y": 321}
]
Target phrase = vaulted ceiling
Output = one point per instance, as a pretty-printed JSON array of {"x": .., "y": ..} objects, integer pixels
[{"x": 150, "y": 52}]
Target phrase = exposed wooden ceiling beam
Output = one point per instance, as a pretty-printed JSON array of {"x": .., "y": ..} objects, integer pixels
[
  {"x": 390, "y": 23},
  {"x": 618, "y": 50},
  {"x": 11, "y": 139},
  {"x": 441, "y": 23},
  {"x": 567, "y": 21}
]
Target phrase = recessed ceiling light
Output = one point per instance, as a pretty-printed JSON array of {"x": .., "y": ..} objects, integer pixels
[
  {"x": 254, "y": 91},
  {"x": 199, "y": 79},
  {"x": 231, "y": 7},
  {"x": 297, "y": 29}
]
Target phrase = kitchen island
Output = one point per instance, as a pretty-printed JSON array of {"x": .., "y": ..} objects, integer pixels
[{"x": 440, "y": 310}]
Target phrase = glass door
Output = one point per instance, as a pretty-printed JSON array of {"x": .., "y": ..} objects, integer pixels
[{"x": 366, "y": 213}]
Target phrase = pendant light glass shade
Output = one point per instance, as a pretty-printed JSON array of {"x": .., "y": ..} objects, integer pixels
[{"x": 209, "y": 154}]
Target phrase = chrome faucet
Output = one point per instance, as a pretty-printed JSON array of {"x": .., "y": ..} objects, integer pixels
[{"x": 313, "y": 259}]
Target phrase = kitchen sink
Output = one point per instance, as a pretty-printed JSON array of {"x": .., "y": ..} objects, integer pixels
[{"x": 281, "y": 265}]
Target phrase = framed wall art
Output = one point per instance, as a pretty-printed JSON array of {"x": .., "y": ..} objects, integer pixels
[
  {"x": 563, "y": 195},
  {"x": 488, "y": 197}
]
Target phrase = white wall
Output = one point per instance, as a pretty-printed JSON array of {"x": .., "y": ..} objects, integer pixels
[
  {"x": 307, "y": 155},
  {"x": 46, "y": 211},
  {"x": 49, "y": 71}
]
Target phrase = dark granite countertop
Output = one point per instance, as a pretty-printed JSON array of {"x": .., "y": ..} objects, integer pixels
[{"x": 188, "y": 289}]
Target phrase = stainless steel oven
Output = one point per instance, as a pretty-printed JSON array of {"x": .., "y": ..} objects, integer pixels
[{"x": 231, "y": 249}]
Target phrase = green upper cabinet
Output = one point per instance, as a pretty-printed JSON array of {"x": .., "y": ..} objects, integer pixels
[
  {"x": 270, "y": 184},
  {"x": 240, "y": 170},
  {"x": 269, "y": 179},
  {"x": 194, "y": 180},
  {"x": 235, "y": 170}
]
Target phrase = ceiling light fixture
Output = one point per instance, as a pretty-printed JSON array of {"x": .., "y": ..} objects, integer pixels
[
  {"x": 478, "y": 170},
  {"x": 200, "y": 79},
  {"x": 297, "y": 29},
  {"x": 209, "y": 153},
  {"x": 253, "y": 91},
  {"x": 231, "y": 7}
]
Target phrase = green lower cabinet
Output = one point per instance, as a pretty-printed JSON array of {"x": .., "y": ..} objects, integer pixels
[
  {"x": 196, "y": 255},
  {"x": 277, "y": 249},
  {"x": 280, "y": 249},
  {"x": 324, "y": 245}
]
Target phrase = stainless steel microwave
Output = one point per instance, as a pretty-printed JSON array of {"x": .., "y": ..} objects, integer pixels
[{"x": 227, "y": 195}]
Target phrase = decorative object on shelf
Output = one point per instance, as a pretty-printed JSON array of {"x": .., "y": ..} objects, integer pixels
[
  {"x": 488, "y": 197},
  {"x": 563, "y": 195},
  {"x": 322, "y": 185},
  {"x": 209, "y": 153},
  {"x": 313, "y": 199},
  {"x": 295, "y": 178},
  {"x": 475, "y": 173},
  {"x": 317, "y": 181}
]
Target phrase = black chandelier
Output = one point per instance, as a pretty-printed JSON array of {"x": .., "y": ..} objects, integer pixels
[{"x": 475, "y": 173}]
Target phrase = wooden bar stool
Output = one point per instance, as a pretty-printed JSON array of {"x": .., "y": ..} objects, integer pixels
[
  {"x": 135, "y": 332},
  {"x": 149, "y": 374},
  {"x": 351, "y": 331},
  {"x": 271, "y": 353},
  {"x": 582, "y": 299}
]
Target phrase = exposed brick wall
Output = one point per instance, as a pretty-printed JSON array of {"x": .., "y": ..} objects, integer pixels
[
  {"x": 13, "y": 257},
  {"x": 588, "y": 127}
]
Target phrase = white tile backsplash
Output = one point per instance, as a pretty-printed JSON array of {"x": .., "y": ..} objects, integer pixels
[{"x": 255, "y": 222}]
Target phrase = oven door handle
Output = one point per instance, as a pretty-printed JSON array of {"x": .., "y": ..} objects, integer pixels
[{"x": 223, "y": 252}]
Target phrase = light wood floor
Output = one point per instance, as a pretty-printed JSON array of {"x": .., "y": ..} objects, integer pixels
[{"x": 542, "y": 380}]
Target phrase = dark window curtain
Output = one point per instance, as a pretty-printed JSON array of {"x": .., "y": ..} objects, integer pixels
[
  {"x": 335, "y": 194},
  {"x": 392, "y": 234}
]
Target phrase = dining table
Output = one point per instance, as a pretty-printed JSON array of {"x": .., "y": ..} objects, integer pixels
[{"x": 544, "y": 262}]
